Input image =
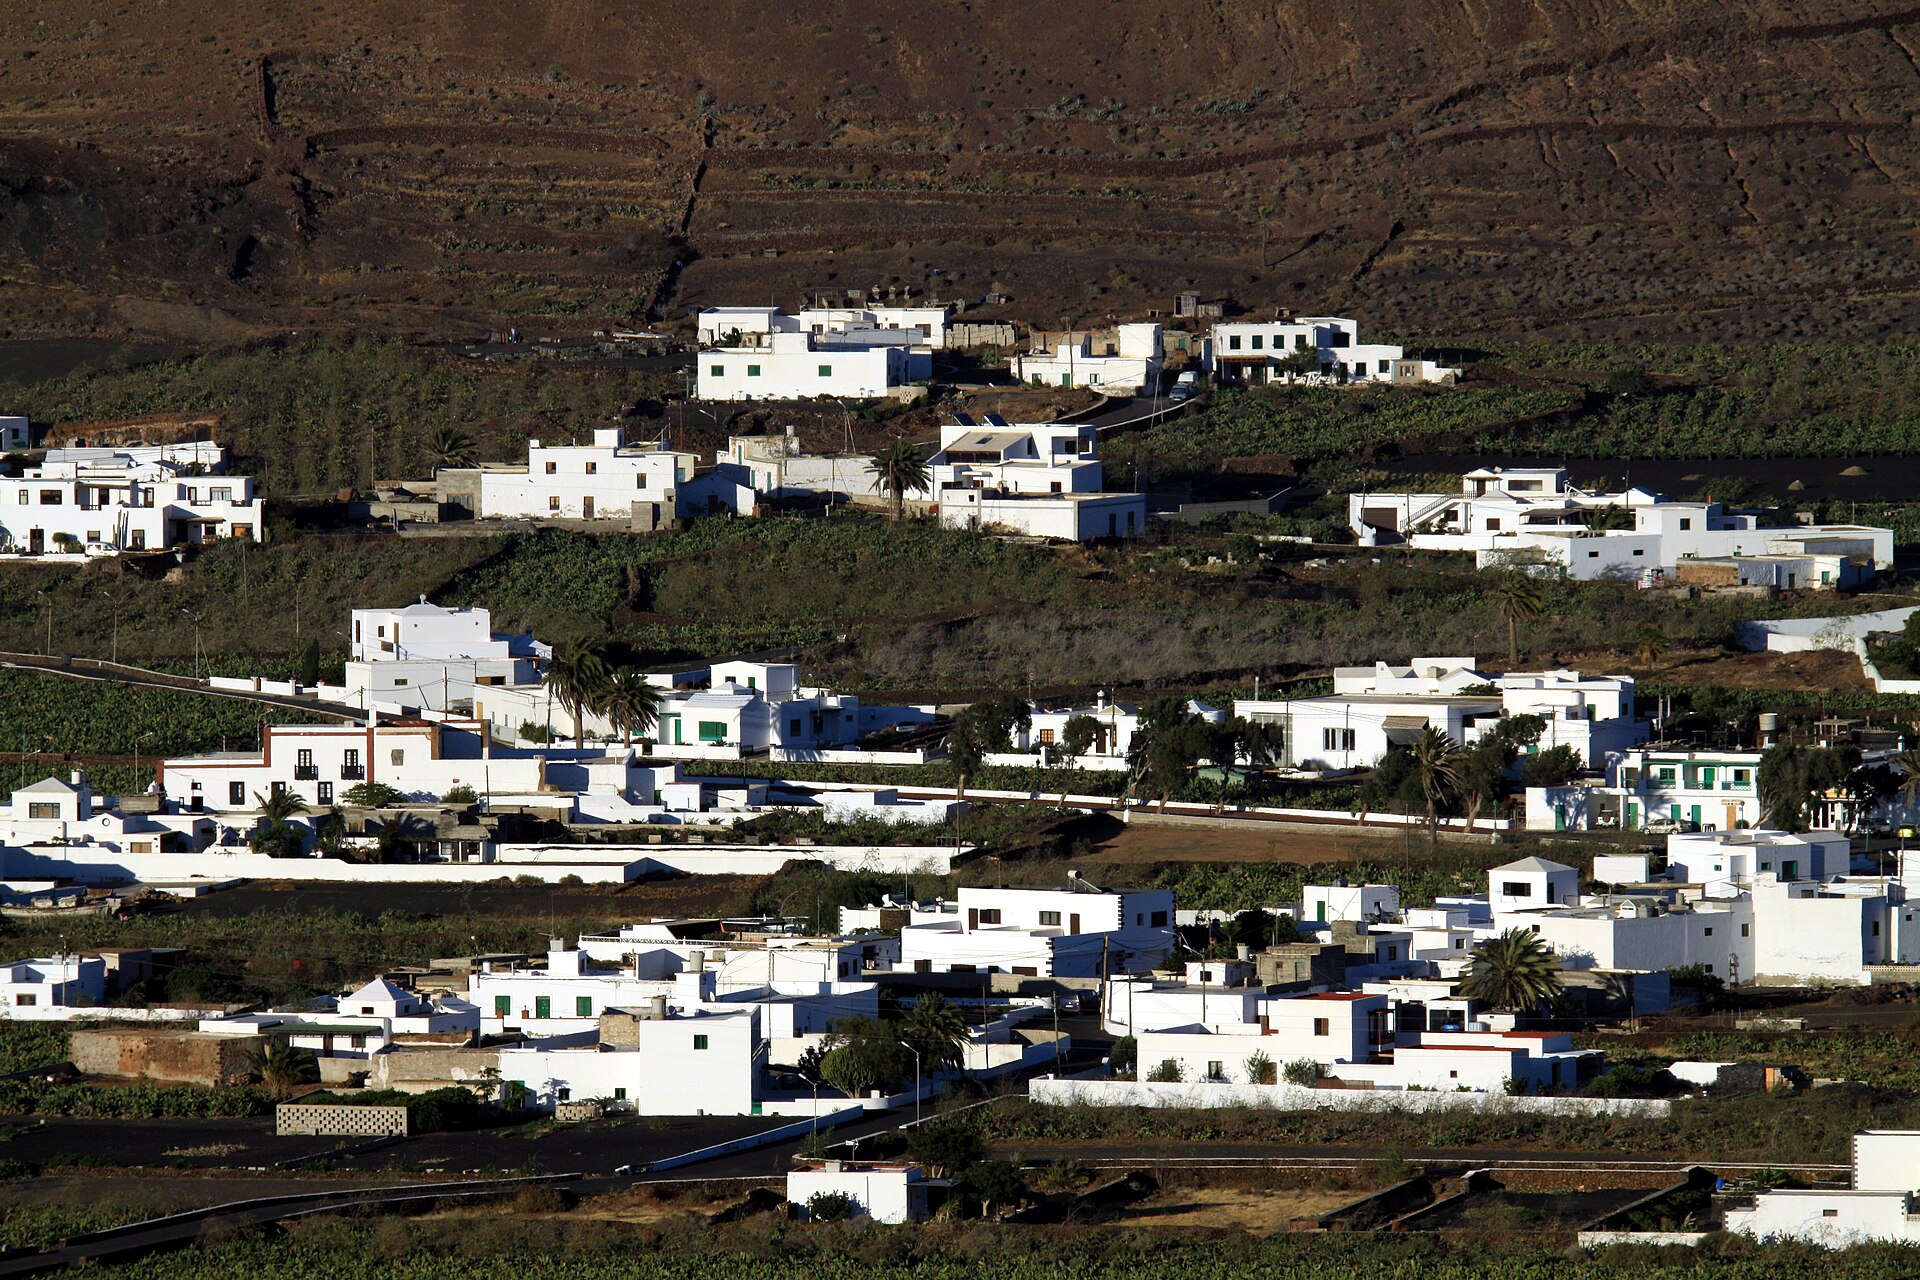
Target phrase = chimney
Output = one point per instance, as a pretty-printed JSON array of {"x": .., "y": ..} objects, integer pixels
[
  {"x": 658, "y": 1009},
  {"x": 698, "y": 960},
  {"x": 1243, "y": 951}
]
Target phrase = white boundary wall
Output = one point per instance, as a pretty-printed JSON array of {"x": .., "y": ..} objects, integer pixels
[{"x": 1053, "y": 1091}]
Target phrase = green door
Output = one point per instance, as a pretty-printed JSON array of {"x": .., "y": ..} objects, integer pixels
[
  {"x": 1633, "y": 816},
  {"x": 1559, "y": 817},
  {"x": 543, "y": 1006},
  {"x": 1696, "y": 815}
]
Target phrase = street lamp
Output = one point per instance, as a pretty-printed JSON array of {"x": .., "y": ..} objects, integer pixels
[
  {"x": 916, "y": 1077},
  {"x": 195, "y": 619},
  {"x": 813, "y": 1134}
]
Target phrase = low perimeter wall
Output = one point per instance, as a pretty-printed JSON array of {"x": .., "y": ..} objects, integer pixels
[
  {"x": 1292, "y": 1097},
  {"x": 339, "y": 1122}
]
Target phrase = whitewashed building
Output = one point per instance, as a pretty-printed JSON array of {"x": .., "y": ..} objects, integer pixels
[
  {"x": 695, "y": 1064},
  {"x": 764, "y": 353},
  {"x": 1373, "y": 709},
  {"x": 1252, "y": 352},
  {"x": 1532, "y": 517},
  {"x": 1065, "y": 933},
  {"x": 30, "y": 988},
  {"x": 890, "y": 1193},
  {"x": 106, "y": 501},
  {"x": 1128, "y": 363},
  {"x": 911, "y": 326},
  {"x": 430, "y": 658},
  {"x": 1878, "y": 1208},
  {"x": 636, "y": 485},
  {"x": 1041, "y": 479}
]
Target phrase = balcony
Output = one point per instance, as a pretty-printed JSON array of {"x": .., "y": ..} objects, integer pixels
[
  {"x": 352, "y": 773},
  {"x": 305, "y": 773}
]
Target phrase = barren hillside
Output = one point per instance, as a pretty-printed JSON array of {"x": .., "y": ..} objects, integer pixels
[{"x": 1456, "y": 170}]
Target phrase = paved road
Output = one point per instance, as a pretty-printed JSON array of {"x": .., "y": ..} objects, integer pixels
[
  {"x": 103, "y": 673},
  {"x": 1258, "y": 1154}
]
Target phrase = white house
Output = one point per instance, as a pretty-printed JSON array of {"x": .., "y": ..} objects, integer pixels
[
  {"x": 1373, "y": 709},
  {"x": 1533, "y": 517},
  {"x": 1040, "y": 479},
  {"x": 890, "y": 1193},
  {"x": 28, "y": 988},
  {"x": 105, "y": 501},
  {"x": 15, "y": 433},
  {"x": 65, "y": 814},
  {"x": 1531, "y": 882},
  {"x": 704, "y": 1063},
  {"x": 432, "y": 658},
  {"x": 746, "y": 326},
  {"x": 1252, "y": 351},
  {"x": 1114, "y": 726},
  {"x": 1878, "y": 1208},
  {"x": 776, "y": 469},
  {"x": 637, "y": 485},
  {"x": 1035, "y": 932},
  {"x": 372, "y": 1019},
  {"x": 1127, "y": 364},
  {"x": 1711, "y": 790}
]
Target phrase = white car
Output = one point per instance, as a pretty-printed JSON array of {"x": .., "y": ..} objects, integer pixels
[{"x": 102, "y": 549}]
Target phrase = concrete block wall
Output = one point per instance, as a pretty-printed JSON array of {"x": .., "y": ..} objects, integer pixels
[{"x": 329, "y": 1121}]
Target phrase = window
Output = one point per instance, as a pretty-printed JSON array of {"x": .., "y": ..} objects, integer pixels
[
  {"x": 1829, "y": 1213},
  {"x": 1493, "y": 525},
  {"x": 718, "y": 370},
  {"x": 552, "y": 467},
  {"x": 700, "y": 1042},
  {"x": 593, "y": 468},
  {"x": 620, "y": 1093},
  {"x": 793, "y": 726},
  {"x": 236, "y": 793},
  {"x": 1233, "y": 342},
  {"x": 826, "y": 371},
  {"x": 1320, "y": 1027},
  {"x": 222, "y": 495},
  {"x": 502, "y": 1006},
  {"x": 753, "y": 371},
  {"x": 713, "y": 731},
  {"x": 1336, "y": 739},
  {"x": 49, "y": 497},
  {"x": 1386, "y": 366},
  {"x": 553, "y": 502},
  {"x": 326, "y": 793},
  {"x": 543, "y": 1006},
  {"x": 1049, "y": 917},
  {"x": 563, "y": 1094},
  {"x": 1216, "y": 1070},
  {"x": 1159, "y": 919},
  {"x": 1686, "y": 523},
  {"x": 398, "y": 757},
  {"x": 1453, "y": 1075},
  {"x": 1257, "y": 340},
  {"x": 1707, "y": 933},
  {"x": 26, "y": 999},
  {"x": 990, "y": 915},
  {"x": 42, "y": 811},
  {"x": 583, "y": 1006},
  {"x": 1516, "y": 889},
  {"x": 1746, "y": 930}
]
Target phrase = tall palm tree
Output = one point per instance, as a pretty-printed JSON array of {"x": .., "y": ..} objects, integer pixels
[
  {"x": 276, "y": 836},
  {"x": 1517, "y": 596},
  {"x": 578, "y": 679},
  {"x": 936, "y": 1029},
  {"x": 1512, "y": 970},
  {"x": 1649, "y": 646},
  {"x": 900, "y": 469},
  {"x": 1436, "y": 761},
  {"x": 450, "y": 447},
  {"x": 631, "y": 703},
  {"x": 1908, "y": 763}
]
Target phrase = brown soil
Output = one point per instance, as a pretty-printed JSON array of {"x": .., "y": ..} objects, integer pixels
[
  {"x": 1262, "y": 1212},
  {"x": 1517, "y": 166}
]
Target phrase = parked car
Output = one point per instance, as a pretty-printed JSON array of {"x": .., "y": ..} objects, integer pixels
[{"x": 1185, "y": 387}]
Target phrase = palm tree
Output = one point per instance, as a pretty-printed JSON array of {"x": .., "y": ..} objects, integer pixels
[
  {"x": 631, "y": 703},
  {"x": 899, "y": 468},
  {"x": 450, "y": 447},
  {"x": 1255, "y": 742},
  {"x": 1908, "y": 762},
  {"x": 1517, "y": 596},
  {"x": 937, "y": 1030},
  {"x": 578, "y": 678},
  {"x": 1436, "y": 760},
  {"x": 283, "y": 1068},
  {"x": 1649, "y": 646},
  {"x": 1512, "y": 970},
  {"x": 276, "y": 836},
  {"x": 401, "y": 836},
  {"x": 1609, "y": 517}
]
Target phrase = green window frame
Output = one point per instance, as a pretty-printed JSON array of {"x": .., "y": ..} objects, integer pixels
[
  {"x": 713, "y": 731},
  {"x": 826, "y": 371},
  {"x": 543, "y": 1006},
  {"x": 583, "y": 1006},
  {"x": 719, "y": 370},
  {"x": 620, "y": 1093},
  {"x": 753, "y": 371},
  {"x": 502, "y": 1006},
  {"x": 700, "y": 1042}
]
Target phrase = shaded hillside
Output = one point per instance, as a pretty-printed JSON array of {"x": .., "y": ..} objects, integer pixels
[{"x": 1678, "y": 169}]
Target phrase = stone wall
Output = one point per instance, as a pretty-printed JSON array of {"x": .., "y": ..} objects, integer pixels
[
  {"x": 339, "y": 1122},
  {"x": 175, "y": 1057}
]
